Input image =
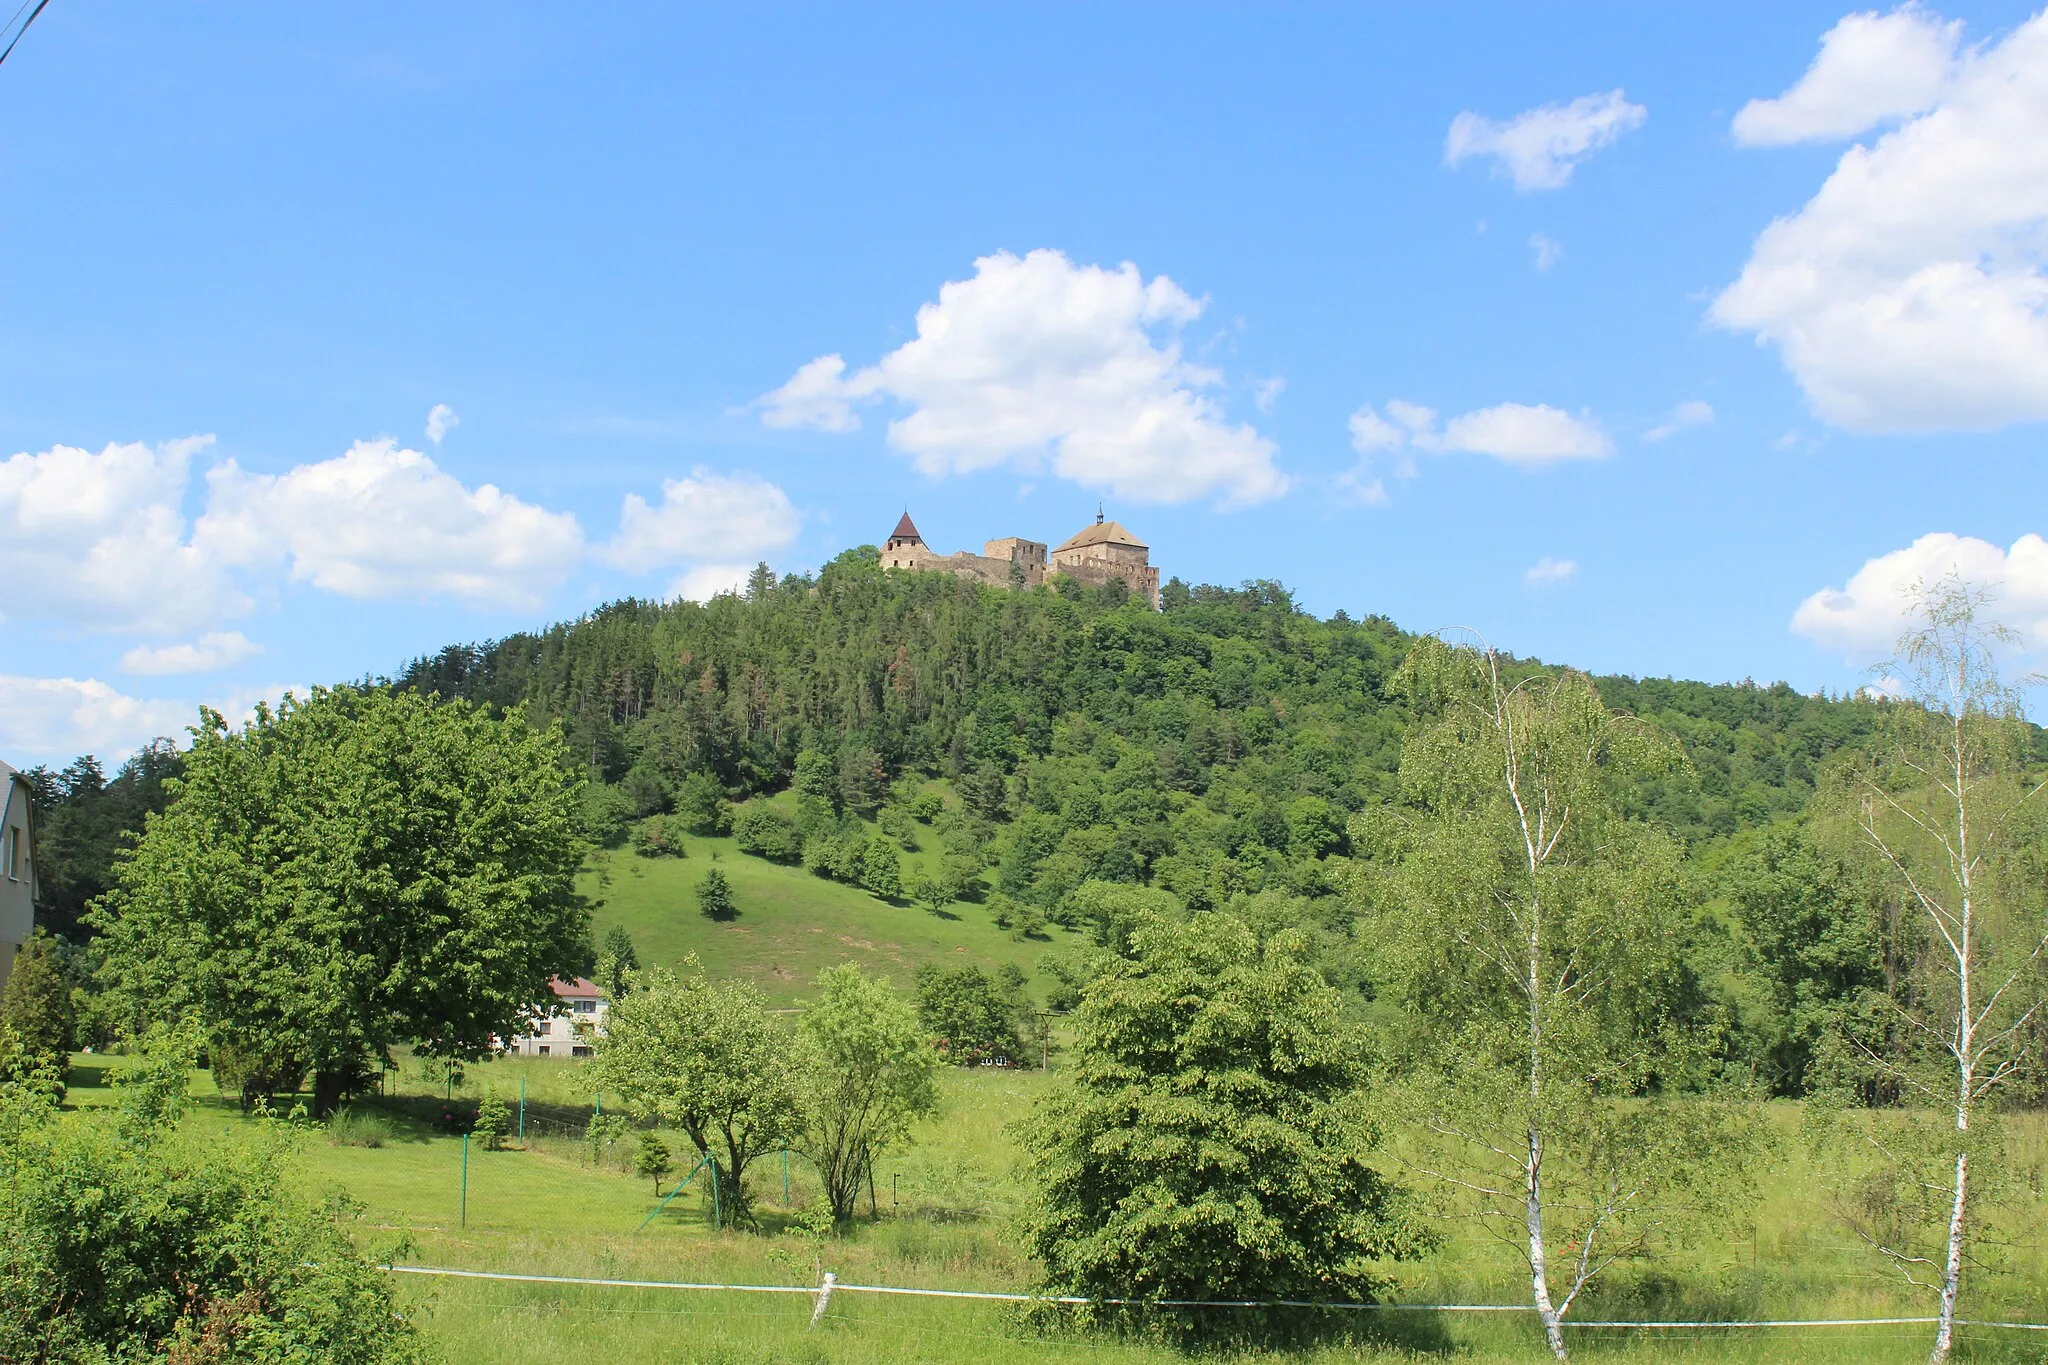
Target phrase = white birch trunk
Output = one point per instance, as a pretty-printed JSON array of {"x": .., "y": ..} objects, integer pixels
[{"x": 1539, "y": 1261}]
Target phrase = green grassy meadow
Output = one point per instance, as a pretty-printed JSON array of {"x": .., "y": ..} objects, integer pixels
[
  {"x": 791, "y": 925},
  {"x": 946, "y": 1216}
]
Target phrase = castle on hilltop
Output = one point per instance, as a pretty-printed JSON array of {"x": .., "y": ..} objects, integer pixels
[{"x": 1094, "y": 555}]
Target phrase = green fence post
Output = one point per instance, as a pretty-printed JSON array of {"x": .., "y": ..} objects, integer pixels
[
  {"x": 717, "y": 1215},
  {"x": 522, "y": 1108},
  {"x": 465, "y": 1180}
]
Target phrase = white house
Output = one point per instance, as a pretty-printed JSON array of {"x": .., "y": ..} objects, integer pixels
[
  {"x": 17, "y": 868},
  {"x": 565, "y": 1034}
]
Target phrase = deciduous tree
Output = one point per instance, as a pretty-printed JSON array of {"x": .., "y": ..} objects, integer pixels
[
  {"x": 353, "y": 871},
  {"x": 1948, "y": 810},
  {"x": 709, "y": 1060},
  {"x": 868, "y": 1074},
  {"x": 1531, "y": 934},
  {"x": 1211, "y": 1140}
]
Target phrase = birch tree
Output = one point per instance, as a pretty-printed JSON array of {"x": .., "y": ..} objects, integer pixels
[
  {"x": 1946, "y": 808},
  {"x": 1533, "y": 935}
]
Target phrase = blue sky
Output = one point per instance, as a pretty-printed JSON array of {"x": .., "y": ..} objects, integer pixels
[{"x": 1464, "y": 314}]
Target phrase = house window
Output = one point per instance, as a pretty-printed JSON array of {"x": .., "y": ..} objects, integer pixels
[
  {"x": 579, "y": 1052},
  {"x": 13, "y": 856},
  {"x": 542, "y": 1049},
  {"x": 586, "y": 1007}
]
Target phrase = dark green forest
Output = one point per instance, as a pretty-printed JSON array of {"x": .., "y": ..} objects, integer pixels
[{"x": 1222, "y": 750}]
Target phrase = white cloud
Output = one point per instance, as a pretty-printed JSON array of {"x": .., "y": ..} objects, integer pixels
[
  {"x": 817, "y": 395},
  {"x": 1547, "y": 571},
  {"x": 707, "y": 581},
  {"x": 1909, "y": 293},
  {"x": 1871, "y": 67},
  {"x": 1864, "y": 618},
  {"x": 1036, "y": 361},
  {"x": 1517, "y": 433},
  {"x": 1266, "y": 392},
  {"x": 381, "y": 521},
  {"x": 210, "y": 653},
  {"x": 1694, "y": 412},
  {"x": 441, "y": 420},
  {"x": 51, "y": 720},
  {"x": 1549, "y": 251},
  {"x": 1371, "y": 432},
  {"x": 705, "y": 516},
  {"x": 1523, "y": 434},
  {"x": 101, "y": 540},
  {"x": 1541, "y": 147}
]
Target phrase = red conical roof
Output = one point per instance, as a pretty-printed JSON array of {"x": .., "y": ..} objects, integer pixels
[{"x": 905, "y": 530}]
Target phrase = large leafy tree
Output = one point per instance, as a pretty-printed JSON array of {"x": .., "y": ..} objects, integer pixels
[
  {"x": 1211, "y": 1141},
  {"x": 37, "y": 1004},
  {"x": 350, "y": 872},
  {"x": 707, "y": 1058},
  {"x": 1533, "y": 936},
  {"x": 867, "y": 1075}
]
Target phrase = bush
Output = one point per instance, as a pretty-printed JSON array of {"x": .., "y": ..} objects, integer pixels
[
  {"x": 151, "y": 1247},
  {"x": 700, "y": 804},
  {"x": 927, "y": 806},
  {"x": 607, "y": 814},
  {"x": 659, "y": 836},
  {"x": 714, "y": 896},
  {"x": 881, "y": 870},
  {"x": 353, "y": 1126},
  {"x": 972, "y": 1018},
  {"x": 653, "y": 1159},
  {"x": 1207, "y": 1145},
  {"x": 493, "y": 1122},
  {"x": 766, "y": 832},
  {"x": 603, "y": 1135}
]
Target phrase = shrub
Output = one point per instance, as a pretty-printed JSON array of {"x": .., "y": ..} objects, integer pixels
[
  {"x": 493, "y": 1122},
  {"x": 767, "y": 833},
  {"x": 603, "y": 1135},
  {"x": 131, "y": 1243},
  {"x": 700, "y": 804},
  {"x": 653, "y": 1159},
  {"x": 354, "y": 1126},
  {"x": 881, "y": 870},
  {"x": 659, "y": 836},
  {"x": 607, "y": 814},
  {"x": 714, "y": 896},
  {"x": 927, "y": 806}
]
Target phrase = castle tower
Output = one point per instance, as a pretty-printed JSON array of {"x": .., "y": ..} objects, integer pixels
[{"x": 904, "y": 535}]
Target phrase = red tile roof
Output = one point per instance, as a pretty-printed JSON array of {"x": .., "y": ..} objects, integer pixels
[{"x": 579, "y": 989}]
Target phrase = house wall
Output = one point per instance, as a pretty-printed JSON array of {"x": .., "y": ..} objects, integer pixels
[
  {"x": 17, "y": 872},
  {"x": 561, "y": 1034}
]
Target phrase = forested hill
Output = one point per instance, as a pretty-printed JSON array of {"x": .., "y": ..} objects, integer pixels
[{"x": 1234, "y": 696}]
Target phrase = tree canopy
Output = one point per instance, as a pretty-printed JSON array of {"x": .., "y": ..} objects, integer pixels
[{"x": 350, "y": 872}]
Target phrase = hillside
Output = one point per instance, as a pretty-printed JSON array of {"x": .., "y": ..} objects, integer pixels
[{"x": 791, "y": 924}]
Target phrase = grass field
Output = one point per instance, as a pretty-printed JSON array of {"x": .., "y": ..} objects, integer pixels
[
  {"x": 791, "y": 924},
  {"x": 947, "y": 1213}
]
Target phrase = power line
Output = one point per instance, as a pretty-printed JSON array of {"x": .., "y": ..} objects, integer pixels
[{"x": 41, "y": 5}]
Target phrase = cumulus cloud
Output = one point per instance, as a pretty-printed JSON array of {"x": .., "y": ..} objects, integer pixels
[
  {"x": 441, "y": 420},
  {"x": 1037, "y": 362},
  {"x": 1522, "y": 434},
  {"x": 50, "y": 720},
  {"x": 1908, "y": 294},
  {"x": 1548, "y": 250},
  {"x": 1693, "y": 412},
  {"x": 381, "y": 521},
  {"x": 1864, "y": 618},
  {"x": 101, "y": 539},
  {"x": 210, "y": 653},
  {"x": 707, "y": 581},
  {"x": 1541, "y": 147},
  {"x": 1547, "y": 571},
  {"x": 705, "y": 516},
  {"x": 1871, "y": 67}
]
